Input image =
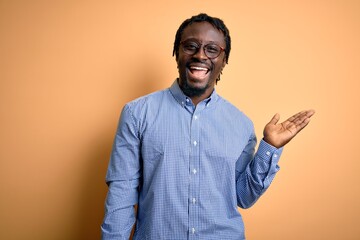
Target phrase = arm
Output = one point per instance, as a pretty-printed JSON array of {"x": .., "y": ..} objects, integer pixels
[
  {"x": 255, "y": 172},
  {"x": 123, "y": 180}
]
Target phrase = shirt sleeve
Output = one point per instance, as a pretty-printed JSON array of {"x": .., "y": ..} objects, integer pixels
[
  {"x": 255, "y": 172},
  {"x": 122, "y": 177}
]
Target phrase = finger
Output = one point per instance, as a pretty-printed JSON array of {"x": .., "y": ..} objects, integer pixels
[
  {"x": 301, "y": 115},
  {"x": 302, "y": 125},
  {"x": 275, "y": 119},
  {"x": 305, "y": 115},
  {"x": 292, "y": 118},
  {"x": 300, "y": 119},
  {"x": 310, "y": 113}
]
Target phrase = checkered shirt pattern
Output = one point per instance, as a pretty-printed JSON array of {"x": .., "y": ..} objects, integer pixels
[{"x": 187, "y": 168}]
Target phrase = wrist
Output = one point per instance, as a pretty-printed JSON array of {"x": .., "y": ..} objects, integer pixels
[{"x": 272, "y": 143}]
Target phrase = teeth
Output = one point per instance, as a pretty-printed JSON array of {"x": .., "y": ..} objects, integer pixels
[{"x": 198, "y": 68}]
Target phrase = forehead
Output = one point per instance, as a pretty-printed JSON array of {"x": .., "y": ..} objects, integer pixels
[{"x": 203, "y": 32}]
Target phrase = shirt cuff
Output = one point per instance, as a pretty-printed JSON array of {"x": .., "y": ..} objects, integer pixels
[{"x": 268, "y": 152}]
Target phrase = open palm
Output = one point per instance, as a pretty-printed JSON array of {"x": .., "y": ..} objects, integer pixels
[{"x": 279, "y": 134}]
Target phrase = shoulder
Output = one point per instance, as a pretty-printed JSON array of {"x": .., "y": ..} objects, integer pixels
[
  {"x": 146, "y": 102},
  {"x": 233, "y": 113},
  {"x": 145, "y": 110}
]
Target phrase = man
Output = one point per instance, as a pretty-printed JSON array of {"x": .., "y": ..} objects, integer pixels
[{"x": 185, "y": 156}]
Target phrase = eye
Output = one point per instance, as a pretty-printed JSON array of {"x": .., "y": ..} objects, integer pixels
[
  {"x": 212, "y": 48},
  {"x": 190, "y": 46}
]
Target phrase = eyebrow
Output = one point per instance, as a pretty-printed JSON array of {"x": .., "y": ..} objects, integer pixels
[{"x": 196, "y": 40}]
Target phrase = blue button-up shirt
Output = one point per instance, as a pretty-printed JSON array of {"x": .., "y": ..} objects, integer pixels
[{"x": 187, "y": 167}]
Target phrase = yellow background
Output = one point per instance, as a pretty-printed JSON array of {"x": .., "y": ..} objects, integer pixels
[{"x": 68, "y": 67}]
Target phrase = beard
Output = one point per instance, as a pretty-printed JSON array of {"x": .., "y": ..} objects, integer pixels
[
  {"x": 191, "y": 91},
  {"x": 185, "y": 84}
]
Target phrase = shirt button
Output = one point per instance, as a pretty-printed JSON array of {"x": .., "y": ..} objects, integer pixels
[
  {"x": 195, "y": 143},
  {"x": 268, "y": 153},
  {"x": 193, "y": 230},
  {"x": 195, "y": 117},
  {"x": 193, "y": 200},
  {"x": 275, "y": 155},
  {"x": 194, "y": 171}
]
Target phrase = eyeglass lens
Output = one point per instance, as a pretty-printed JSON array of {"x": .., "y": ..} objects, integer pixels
[{"x": 211, "y": 50}]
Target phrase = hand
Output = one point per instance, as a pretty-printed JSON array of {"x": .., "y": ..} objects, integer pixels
[{"x": 280, "y": 134}]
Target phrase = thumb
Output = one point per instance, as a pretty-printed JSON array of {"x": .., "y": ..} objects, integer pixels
[{"x": 275, "y": 119}]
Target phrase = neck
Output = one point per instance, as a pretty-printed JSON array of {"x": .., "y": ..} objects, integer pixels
[
  {"x": 196, "y": 100},
  {"x": 196, "y": 94}
]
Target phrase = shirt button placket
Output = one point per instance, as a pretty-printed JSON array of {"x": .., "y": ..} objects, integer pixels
[{"x": 194, "y": 176}]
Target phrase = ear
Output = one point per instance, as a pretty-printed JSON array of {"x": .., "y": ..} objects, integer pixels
[
  {"x": 177, "y": 61},
  {"x": 224, "y": 63}
]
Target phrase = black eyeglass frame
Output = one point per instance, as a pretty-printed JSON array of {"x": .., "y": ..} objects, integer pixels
[{"x": 199, "y": 46}]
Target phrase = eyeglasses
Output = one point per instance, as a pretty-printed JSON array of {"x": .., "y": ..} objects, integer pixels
[{"x": 211, "y": 50}]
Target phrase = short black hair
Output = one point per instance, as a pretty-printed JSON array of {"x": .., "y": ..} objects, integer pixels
[{"x": 203, "y": 17}]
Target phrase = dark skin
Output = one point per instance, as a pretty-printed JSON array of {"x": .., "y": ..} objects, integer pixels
[
  {"x": 198, "y": 74},
  {"x": 203, "y": 33}
]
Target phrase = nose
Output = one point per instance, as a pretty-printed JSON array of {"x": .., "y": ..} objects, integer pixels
[{"x": 200, "y": 53}]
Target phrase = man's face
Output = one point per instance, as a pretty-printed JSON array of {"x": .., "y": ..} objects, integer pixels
[{"x": 198, "y": 73}]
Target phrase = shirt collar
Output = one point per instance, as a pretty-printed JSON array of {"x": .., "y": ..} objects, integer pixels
[{"x": 182, "y": 99}]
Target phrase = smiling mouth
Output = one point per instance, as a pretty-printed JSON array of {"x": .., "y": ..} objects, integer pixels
[{"x": 198, "y": 72}]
